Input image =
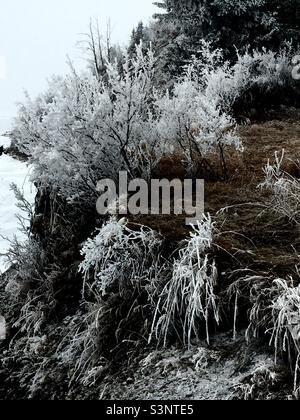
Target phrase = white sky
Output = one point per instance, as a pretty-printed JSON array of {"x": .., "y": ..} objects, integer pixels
[{"x": 37, "y": 35}]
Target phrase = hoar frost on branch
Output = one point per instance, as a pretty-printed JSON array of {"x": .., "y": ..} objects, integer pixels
[
  {"x": 276, "y": 312},
  {"x": 122, "y": 268},
  {"x": 197, "y": 124},
  {"x": 191, "y": 115},
  {"x": 119, "y": 256}
]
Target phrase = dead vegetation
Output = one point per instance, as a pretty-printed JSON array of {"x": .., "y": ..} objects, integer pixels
[
  {"x": 252, "y": 249},
  {"x": 255, "y": 246}
]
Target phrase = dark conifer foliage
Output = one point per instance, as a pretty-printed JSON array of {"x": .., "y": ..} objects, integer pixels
[
  {"x": 140, "y": 34},
  {"x": 229, "y": 25}
]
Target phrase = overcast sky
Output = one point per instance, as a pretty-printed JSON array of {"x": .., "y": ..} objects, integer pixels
[{"x": 37, "y": 35}]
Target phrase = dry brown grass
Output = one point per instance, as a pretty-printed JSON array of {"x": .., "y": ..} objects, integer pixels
[{"x": 250, "y": 237}]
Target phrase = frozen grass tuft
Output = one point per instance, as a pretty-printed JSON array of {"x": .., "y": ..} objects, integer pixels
[
  {"x": 118, "y": 255},
  {"x": 121, "y": 268},
  {"x": 285, "y": 190},
  {"x": 188, "y": 298}
]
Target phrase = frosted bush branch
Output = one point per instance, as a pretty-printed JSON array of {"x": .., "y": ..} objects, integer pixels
[
  {"x": 286, "y": 322},
  {"x": 194, "y": 120},
  {"x": 85, "y": 128},
  {"x": 119, "y": 256}
]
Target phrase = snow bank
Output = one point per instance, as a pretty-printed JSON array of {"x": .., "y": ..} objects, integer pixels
[
  {"x": 4, "y": 128},
  {"x": 11, "y": 171}
]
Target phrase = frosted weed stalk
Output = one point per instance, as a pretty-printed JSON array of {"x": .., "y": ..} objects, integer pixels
[
  {"x": 285, "y": 190},
  {"x": 119, "y": 256},
  {"x": 188, "y": 298},
  {"x": 286, "y": 321},
  {"x": 275, "y": 312},
  {"x": 121, "y": 268}
]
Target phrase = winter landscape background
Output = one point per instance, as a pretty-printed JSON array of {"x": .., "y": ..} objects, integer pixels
[{"x": 109, "y": 307}]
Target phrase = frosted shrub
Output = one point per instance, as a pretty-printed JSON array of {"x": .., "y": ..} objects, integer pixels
[
  {"x": 264, "y": 68},
  {"x": 86, "y": 127},
  {"x": 285, "y": 190},
  {"x": 122, "y": 268},
  {"x": 195, "y": 122},
  {"x": 255, "y": 80},
  {"x": 286, "y": 322},
  {"x": 188, "y": 298},
  {"x": 119, "y": 256}
]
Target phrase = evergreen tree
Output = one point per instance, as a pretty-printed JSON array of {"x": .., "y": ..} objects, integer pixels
[{"x": 139, "y": 34}]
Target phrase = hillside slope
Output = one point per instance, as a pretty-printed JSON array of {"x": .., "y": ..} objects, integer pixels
[{"x": 250, "y": 243}]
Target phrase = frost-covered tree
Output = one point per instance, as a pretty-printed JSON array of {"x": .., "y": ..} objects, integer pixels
[
  {"x": 194, "y": 114},
  {"x": 228, "y": 25},
  {"x": 100, "y": 51}
]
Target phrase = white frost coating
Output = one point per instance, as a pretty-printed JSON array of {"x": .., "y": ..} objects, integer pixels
[
  {"x": 11, "y": 171},
  {"x": 118, "y": 255},
  {"x": 2, "y": 328},
  {"x": 189, "y": 295},
  {"x": 285, "y": 189},
  {"x": 286, "y": 321}
]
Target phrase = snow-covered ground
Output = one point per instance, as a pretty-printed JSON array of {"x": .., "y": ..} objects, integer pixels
[{"x": 11, "y": 171}]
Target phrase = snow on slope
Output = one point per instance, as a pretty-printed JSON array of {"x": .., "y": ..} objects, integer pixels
[{"x": 11, "y": 171}]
